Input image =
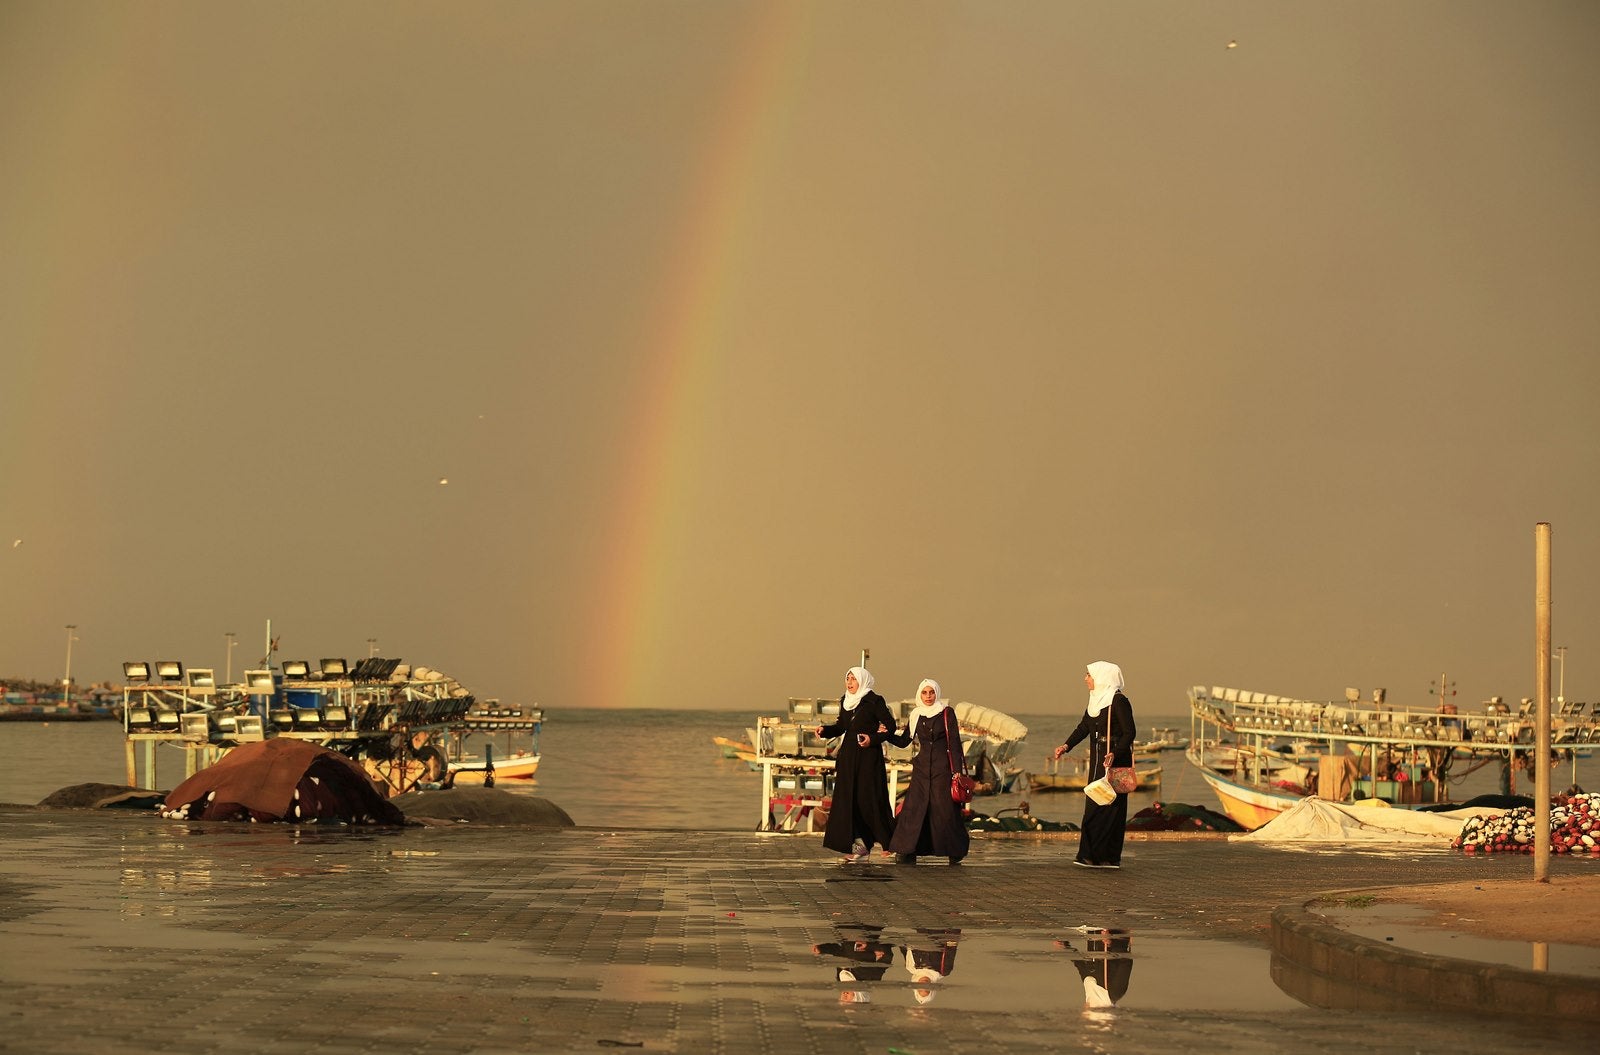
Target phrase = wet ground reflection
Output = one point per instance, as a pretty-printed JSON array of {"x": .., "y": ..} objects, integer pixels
[
  {"x": 1091, "y": 967},
  {"x": 1406, "y": 927}
]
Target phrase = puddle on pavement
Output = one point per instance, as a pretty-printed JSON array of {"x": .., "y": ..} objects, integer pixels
[
  {"x": 1405, "y": 926},
  {"x": 929, "y": 969}
]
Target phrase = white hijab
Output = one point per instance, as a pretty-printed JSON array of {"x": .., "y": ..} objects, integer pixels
[
  {"x": 1107, "y": 683},
  {"x": 922, "y": 978},
  {"x": 863, "y": 686},
  {"x": 922, "y": 710}
]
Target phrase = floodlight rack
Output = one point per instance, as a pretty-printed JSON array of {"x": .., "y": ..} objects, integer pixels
[{"x": 373, "y": 668}]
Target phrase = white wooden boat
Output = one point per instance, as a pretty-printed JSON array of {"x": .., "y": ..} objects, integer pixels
[{"x": 491, "y": 735}]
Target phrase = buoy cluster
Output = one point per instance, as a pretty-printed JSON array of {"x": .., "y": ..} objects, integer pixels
[{"x": 1574, "y": 829}]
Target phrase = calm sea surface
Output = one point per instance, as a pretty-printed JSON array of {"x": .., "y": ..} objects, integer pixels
[{"x": 633, "y": 768}]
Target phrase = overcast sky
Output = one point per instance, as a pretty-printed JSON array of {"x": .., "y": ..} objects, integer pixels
[{"x": 668, "y": 354}]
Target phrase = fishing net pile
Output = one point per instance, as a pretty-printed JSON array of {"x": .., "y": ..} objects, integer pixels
[
  {"x": 1574, "y": 829},
  {"x": 1181, "y": 817}
]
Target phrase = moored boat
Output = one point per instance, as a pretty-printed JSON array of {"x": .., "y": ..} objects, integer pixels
[
  {"x": 1261, "y": 754},
  {"x": 730, "y": 747},
  {"x": 1074, "y": 776},
  {"x": 494, "y": 738},
  {"x": 405, "y": 726}
]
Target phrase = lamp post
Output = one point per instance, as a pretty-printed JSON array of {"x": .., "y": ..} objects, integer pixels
[
  {"x": 227, "y": 677},
  {"x": 1561, "y": 677},
  {"x": 372, "y": 647},
  {"x": 66, "y": 682}
]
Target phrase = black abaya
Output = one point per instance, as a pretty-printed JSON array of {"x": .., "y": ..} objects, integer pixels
[
  {"x": 860, "y": 808},
  {"x": 1100, "y": 842},
  {"x": 930, "y": 822}
]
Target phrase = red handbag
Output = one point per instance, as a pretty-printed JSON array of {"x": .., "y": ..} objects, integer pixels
[
  {"x": 1123, "y": 779},
  {"x": 961, "y": 785}
]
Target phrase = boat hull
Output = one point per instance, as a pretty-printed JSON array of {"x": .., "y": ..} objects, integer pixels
[
  {"x": 1249, "y": 806},
  {"x": 512, "y": 767}
]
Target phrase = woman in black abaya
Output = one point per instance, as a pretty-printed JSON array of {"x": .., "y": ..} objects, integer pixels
[
  {"x": 860, "y": 815},
  {"x": 930, "y": 822},
  {"x": 1100, "y": 842}
]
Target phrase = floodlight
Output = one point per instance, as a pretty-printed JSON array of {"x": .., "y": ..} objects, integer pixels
[
  {"x": 169, "y": 670},
  {"x": 306, "y": 716},
  {"x": 167, "y": 719},
  {"x": 335, "y": 714},
  {"x": 335, "y": 667},
  {"x": 1353, "y": 695},
  {"x": 202, "y": 678},
  {"x": 296, "y": 668},
  {"x": 196, "y": 727},
  {"x": 283, "y": 717},
  {"x": 247, "y": 728},
  {"x": 139, "y": 717},
  {"x": 136, "y": 671},
  {"x": 259, "y": 681}
]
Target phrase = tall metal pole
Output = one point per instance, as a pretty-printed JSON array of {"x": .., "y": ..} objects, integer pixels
[
  {"x": 66, "y": 682},
  {"x": 1541, "y": 677},
  {"x": 1561, "y": 675},
  {"x": 227, "y": 677}
]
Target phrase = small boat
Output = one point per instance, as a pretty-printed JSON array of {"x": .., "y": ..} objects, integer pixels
[
  {"x": 472, "y": 749},
  {"x": 1262, "y": 754},
  {"x": 1075, "y": 775},
  {"x": 1162, "y": 739},
  {"x": 730, "y": 747}
]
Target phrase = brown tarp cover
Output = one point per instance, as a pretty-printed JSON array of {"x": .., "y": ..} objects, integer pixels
[{"x": 283, "y": 779}]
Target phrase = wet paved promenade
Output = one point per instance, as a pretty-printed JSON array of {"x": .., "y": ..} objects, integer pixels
[{"x": 124, "y": 933}]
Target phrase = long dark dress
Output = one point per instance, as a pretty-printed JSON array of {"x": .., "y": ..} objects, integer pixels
[
  {"x": 860, "y": 807},
  {"x": 1100, "y": 842},
  {"x": 930, "y": 822}
]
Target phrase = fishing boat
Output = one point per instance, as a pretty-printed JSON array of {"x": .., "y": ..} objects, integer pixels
[
  {"x": 1162, "y": 739},
  {"x": 493, "y": 738},
  {"x": 1262, "y": 753},
  {"x": 406, "y": 726},
  {"x": 730, "y": 747},
  {"x": 1073, "y": 775}
]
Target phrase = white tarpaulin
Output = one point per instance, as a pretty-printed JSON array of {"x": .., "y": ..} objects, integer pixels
[{"x": 1314, "y": 820}]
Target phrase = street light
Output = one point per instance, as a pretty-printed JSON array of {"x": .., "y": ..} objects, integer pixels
[
  {"x": 372, "y": 647},
  {"x": 1561, "y": 684},
  {"x": 227, "y": 677},
  {"x": 66, "y": 682}
]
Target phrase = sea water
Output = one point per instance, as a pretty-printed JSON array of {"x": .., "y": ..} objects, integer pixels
[{"x": 643, "y": 768}]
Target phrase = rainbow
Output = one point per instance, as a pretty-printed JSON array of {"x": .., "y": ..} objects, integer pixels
[{"x": 681, "y": 345}]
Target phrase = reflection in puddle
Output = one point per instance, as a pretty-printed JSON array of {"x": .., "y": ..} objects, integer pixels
[
  {"x": 1092, "y": 969},
  {"x": 867, "y": 968}
]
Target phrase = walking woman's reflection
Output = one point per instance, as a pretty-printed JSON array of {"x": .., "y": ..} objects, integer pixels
[
  {"x": 930, "y": 958},
  {"x": 867, "y": 956},
  {"x": 863, "y": 946},
  {"x": 1106, "y": 967}
]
